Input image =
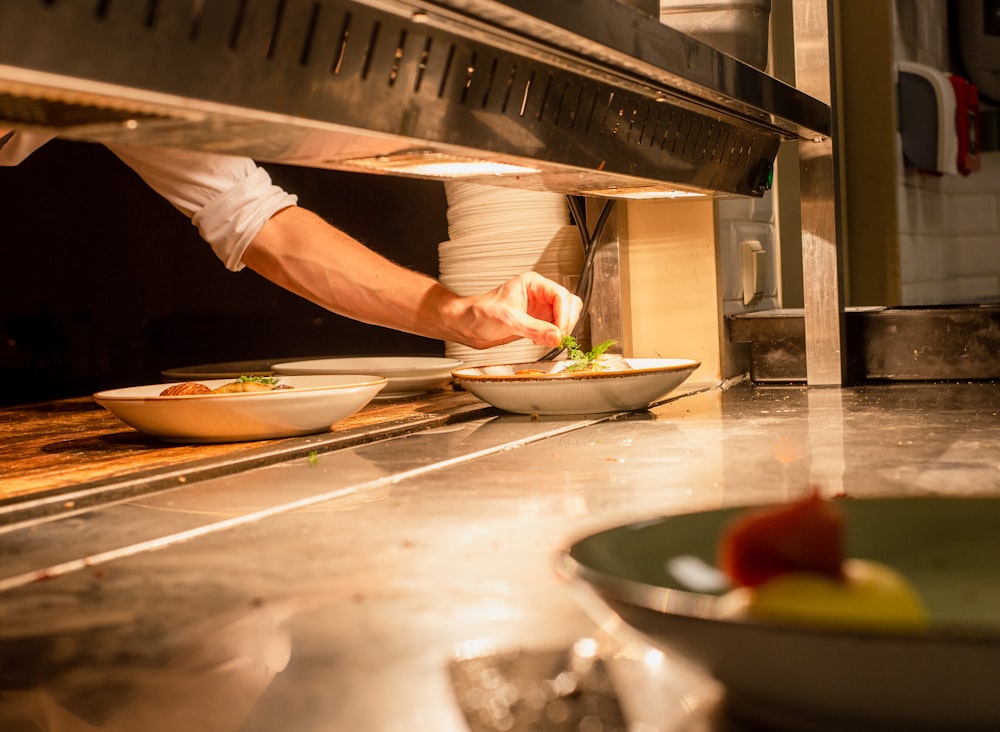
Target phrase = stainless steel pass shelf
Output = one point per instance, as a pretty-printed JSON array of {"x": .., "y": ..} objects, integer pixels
[{"x": 591, "y": 97}]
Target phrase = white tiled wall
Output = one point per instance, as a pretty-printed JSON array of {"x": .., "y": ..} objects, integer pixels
[
  {"x": 922, "y": 32},
  {"x": 950, "y": 236},
  {"x": 949, "y": 226}
]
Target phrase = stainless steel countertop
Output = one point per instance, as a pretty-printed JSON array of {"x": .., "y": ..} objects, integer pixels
[{"x": 217, "y": 606}]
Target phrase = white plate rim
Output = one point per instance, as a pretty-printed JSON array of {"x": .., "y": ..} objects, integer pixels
[
  {"x": 150, "y": 392},
  {"x": 640, "y": 366},
  {"x": 408, "y": 366}
]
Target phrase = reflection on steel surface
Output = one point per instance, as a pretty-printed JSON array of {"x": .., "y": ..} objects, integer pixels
[{"x": 537, "y": 691}]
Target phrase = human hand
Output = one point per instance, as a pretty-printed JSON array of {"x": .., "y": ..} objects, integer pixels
[{"x": 527, "y": 306}]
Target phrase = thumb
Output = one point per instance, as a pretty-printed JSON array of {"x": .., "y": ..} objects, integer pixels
[{"x": 541, "y": 333}]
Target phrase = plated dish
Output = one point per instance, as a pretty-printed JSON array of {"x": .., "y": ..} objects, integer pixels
[
  {"x": 406, "y": 375},
  {"x": 587, "y": 392},
  {"x": 658, "y": 577},
  {"x": 312, "y": 404}
]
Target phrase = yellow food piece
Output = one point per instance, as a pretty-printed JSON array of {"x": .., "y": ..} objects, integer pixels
[
  {"x": 238, "y": 387},
  {"x": 871, "y": 596}
]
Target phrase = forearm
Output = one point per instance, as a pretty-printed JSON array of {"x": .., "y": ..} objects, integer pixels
[{"x": 299, "y": 251}]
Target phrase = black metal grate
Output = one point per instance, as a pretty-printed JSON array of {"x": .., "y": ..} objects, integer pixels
[
  {"x": 344, "y": 62},
  {"x": 28, "y": 111}
]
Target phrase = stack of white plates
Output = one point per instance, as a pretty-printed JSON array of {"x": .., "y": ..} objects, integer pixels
[{"x": 496, "y": 234}]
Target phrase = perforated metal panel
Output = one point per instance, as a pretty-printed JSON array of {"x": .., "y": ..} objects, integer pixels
[{"x": 364, "y": 85}]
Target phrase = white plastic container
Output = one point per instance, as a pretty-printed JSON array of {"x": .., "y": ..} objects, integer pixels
[{"x": 738, "y": 28}]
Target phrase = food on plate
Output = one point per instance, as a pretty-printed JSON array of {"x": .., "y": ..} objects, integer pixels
[
  {"x": 596, "y": 359},
  {"x": 578, "y": 361},
  {"x": 601, "y": 362},
  {"x": 244, "y": 384},
  {"x": 804, "y": 535},
  {"x": 789, "y": 566},
  {"x": 185, "y": 388},
  {"x": 867, "y": 596},
  {"x": 240, "y": 387}
]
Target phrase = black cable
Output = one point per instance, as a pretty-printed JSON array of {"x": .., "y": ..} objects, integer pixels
[
  {"x": 584, "y": 287},
  {"x": 579, "y": 213}
]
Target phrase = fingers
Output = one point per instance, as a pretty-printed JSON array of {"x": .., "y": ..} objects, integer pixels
[
  {"x": 550, "y": 336},
  {"x": 565, "y": 306},
  {"x": 527, "y": 306},
  {"x": 553, "y": 308},
  {"x": 569, "y": 314},
  {"x": 561, "y": 310}
]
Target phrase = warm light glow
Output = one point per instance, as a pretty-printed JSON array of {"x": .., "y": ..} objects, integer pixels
[
  {"x": 585, "y": 648},
  {"x": 430, "y": 164},
  {"x": 653, "y": 658},
  {"x": 466, "y": 169},
  {"x": 646, "y": 192},
  {"x": 474, "y": 648}
]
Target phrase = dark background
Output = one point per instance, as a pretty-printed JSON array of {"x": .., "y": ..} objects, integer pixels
[{"x": 103, "y": 284}]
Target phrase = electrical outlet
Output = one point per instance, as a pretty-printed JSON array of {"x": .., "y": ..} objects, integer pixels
[{"x": 754, "y": 270}]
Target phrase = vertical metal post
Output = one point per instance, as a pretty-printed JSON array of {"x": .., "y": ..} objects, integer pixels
[{"x": 822, "y": 232}]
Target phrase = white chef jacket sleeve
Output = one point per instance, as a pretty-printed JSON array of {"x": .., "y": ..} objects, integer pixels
[
  {"x": 228, "y": 198},
  {"x": 16, "y": 145}
]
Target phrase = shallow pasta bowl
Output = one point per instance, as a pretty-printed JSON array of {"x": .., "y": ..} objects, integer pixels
[
  {"x": 313, "y": 404},
  {"x": 541, "y": 388},
  {"x": 657, "y": 576}
]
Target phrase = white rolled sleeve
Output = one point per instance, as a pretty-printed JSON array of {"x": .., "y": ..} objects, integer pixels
[
  {"x": 228, "y": 198},
  {"x": 18, "y": 145}
]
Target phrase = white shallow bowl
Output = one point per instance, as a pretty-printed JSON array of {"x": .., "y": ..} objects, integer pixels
[
  {"x": 314, "y": 404},
  {"x": 596, "y": 392},
  {"x": 406, "y": 375},
  {"x": 805, "y": 680}
]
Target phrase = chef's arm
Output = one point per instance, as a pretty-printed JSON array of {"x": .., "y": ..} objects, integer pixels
[
  {"x": 249, "y": 221},
  {"x": 299, "y": 251}
]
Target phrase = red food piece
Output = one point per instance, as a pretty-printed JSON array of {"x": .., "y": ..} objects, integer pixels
[{"x": 802, "y": 536}]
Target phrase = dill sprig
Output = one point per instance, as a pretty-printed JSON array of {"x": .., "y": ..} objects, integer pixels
[{"x": 583, "y": 360}]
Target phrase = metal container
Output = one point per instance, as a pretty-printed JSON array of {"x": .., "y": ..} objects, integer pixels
[
  {"x": 920, "y": 343},
  {"x": 735, "y": 27}
]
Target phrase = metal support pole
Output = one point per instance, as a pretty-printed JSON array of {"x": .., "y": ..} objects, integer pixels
[{"x": 822, "y": 232}]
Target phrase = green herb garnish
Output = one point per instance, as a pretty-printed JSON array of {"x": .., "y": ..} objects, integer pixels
[
  {"x": 272, "y": 380},
  {"x": 313, "y": 457},
  {"x": 583, "y": 361}
]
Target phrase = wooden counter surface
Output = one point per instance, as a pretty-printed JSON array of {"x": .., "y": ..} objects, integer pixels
[{"x": 65, "y": 455}]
